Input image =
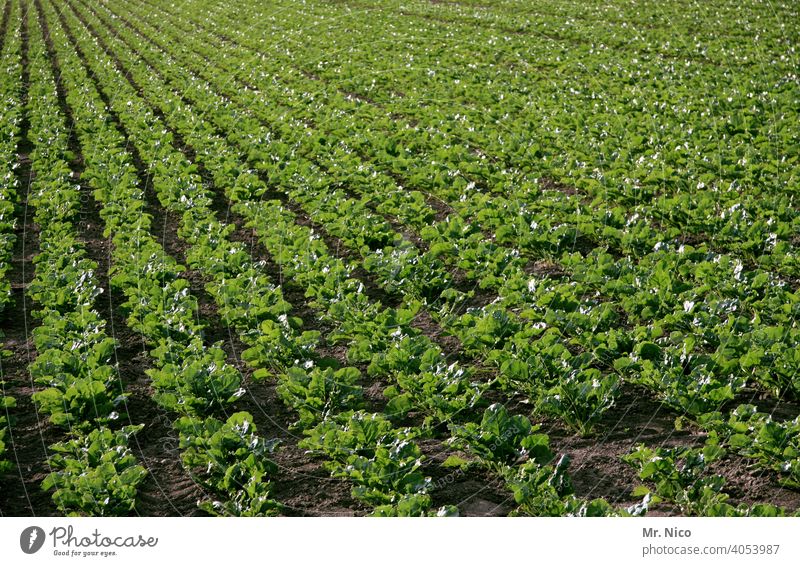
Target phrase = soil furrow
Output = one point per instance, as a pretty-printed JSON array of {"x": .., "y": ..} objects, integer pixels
[{"x": 4, "y": 24}]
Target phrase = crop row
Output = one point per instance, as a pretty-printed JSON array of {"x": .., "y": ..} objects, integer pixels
[{"x": 10, "y": 122}]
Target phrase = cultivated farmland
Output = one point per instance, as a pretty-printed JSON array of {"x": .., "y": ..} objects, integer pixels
[{"x": 401, "y": 257}]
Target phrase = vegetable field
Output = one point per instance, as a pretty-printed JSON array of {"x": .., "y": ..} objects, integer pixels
[{"x": 401, "y": 257}]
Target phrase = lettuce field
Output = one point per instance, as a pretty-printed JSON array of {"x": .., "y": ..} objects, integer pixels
[{"x": 399, "y": 258}]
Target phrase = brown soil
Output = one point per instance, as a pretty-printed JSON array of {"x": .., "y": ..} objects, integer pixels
[
  {"x": 597, "y": 471},
  {"x": 4, "y": 23},
  {"x": 747, "y": 484},
  {"x": 30, "y": 434},
  {"x": 476, "y": 492}
]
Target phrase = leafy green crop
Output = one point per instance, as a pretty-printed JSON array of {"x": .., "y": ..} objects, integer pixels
[
  {"x": 230, "y": 459},
  {"x": 681, "y": 477},
  {"x": 581, "y": 398},
  {"x": 198, "y": 383},
  {"x": 383, "y": 463},
  {"x": 774, "y": 445},
  {"x": 95, "y": 474},
  {"x": 5, "y": 404},
  {"x": 319, "y": 394}
]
